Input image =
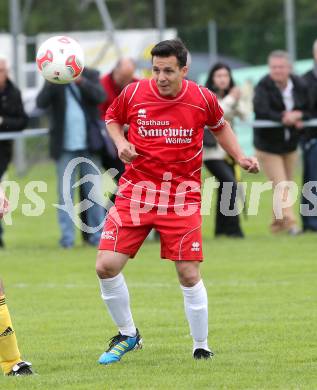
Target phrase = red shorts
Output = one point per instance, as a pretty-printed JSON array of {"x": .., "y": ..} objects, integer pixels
[{"x": 125, "y": 230}]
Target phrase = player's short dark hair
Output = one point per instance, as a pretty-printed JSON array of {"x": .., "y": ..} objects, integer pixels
[{"x": 171, "y": 47}]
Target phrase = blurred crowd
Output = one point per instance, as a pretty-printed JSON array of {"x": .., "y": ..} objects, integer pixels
[{"x": 77, "y": 131}]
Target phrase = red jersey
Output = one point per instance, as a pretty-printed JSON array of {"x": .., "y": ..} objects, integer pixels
[{"x": 168, "y": 136}]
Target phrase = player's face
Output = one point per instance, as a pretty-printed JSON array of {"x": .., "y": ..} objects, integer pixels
[
  {"x": 168, "y": 75},
  {"x": 280, "y": 70},
  {"x": 221, "y": 79}
]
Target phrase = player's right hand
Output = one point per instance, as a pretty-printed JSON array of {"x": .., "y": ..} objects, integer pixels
[{"x": 127, "y": 152}]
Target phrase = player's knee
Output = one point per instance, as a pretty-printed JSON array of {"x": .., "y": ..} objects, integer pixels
[
  {"x": 189, "y": 280},
  {"x": 188, "y": 273},
  {"x": 106, "y": 266}
]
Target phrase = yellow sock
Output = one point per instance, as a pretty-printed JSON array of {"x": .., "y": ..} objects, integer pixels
[{"x": 9, "y": 351}]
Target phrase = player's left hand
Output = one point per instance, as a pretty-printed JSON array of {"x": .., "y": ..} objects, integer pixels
[{"x": 250, "y": 164}]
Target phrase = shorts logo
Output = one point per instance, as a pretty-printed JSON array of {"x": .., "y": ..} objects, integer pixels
[
  {"x": 107, "y": 235},
  {"x": 195, "y": 246},
  {"x": 142, "y": 113}
]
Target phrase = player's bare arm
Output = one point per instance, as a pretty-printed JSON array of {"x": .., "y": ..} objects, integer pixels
[
  {"x": 228, "y": 140},
  {"x": 126, "y": 150}
]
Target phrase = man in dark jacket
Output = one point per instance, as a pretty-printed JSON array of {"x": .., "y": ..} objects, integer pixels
[
  {"x": 12, "y": 118},
  {"x": 309, "y": 144},
  {"x": 281, "y": 97},
  {"x": 74, "y": 115}
]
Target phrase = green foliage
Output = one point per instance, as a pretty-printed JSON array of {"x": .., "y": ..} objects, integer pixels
[
  {"x": 4, "y": 16},
  {"x": 262, "y": 300},
  {"x": 48, "y": 16},
  {"x": 244, "y": 26}
]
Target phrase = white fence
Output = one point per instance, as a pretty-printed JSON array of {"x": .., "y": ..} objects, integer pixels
[
  {"x": 20, "y": 136},
  {"x": 14, "y": 135}
]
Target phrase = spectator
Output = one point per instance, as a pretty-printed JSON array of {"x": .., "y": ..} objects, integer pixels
[
  {"x": 309, "y": 143},
  {"x": 12, "y": 118},
  {"x": 280, "y": 96},
  {"x": 216, "y": 160},
  {"x": 74, "y": 115}
]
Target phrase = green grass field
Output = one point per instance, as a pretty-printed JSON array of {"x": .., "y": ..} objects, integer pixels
[{"x": 262, "y": 300}]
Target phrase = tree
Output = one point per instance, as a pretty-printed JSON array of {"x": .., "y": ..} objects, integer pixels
[{"x": 246, "y": 28}]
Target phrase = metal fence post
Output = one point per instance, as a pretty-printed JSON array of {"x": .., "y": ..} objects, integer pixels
[
  {"x": 290, "y": 29},
  {"x": 15, "y": 23},
  {"x": 212, "y": 41}
]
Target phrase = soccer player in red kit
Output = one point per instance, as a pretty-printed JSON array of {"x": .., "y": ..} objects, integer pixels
[{"x": 160, "y": 189}]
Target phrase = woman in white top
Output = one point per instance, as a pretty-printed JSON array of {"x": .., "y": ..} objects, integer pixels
[{"x": 215, "y": 158}]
